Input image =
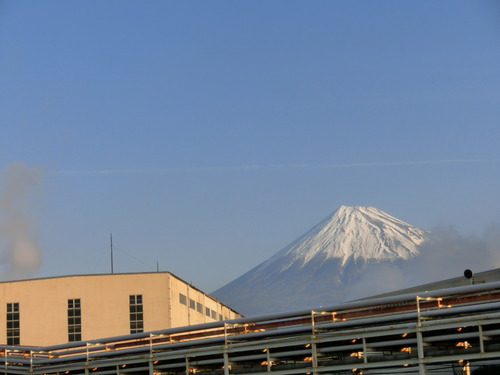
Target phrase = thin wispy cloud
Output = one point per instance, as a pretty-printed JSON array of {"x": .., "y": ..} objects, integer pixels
[
  {"x": 406, "y": 163},
  {"x": 304, "y": 166}
]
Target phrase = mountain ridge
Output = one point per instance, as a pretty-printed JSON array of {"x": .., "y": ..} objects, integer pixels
[
  {"x": 337, "y": 237},
  {"x": 315, "y": 268}
]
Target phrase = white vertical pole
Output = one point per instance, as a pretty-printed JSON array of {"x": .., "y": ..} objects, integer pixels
[
  {"x": 226, "y": 361},
  {"x": 420, "y": 351},
  {"x": 226, "y": 355},
  {"x": 87, "y": 364},
  {"x": 314, "y": 351},
  {"x": 365, "y": 351},
  {"x": 268, "y": 360},
  {"x": 420, "y": 342},
  {"x": 481, "y": 339}
]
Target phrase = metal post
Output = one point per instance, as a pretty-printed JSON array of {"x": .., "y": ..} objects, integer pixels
[
  {"x": 268, "y": 355},
  {"x": 187, "y": 365},
  {"x": 31, "y": 361},
  {"x": 420, "y": 342},
  {"x": 418, "y": 311},
  {"x": 481, "y": 339},
  {"x": 365, "y": 351},
  {"x": 226, "y": 355},
  {"x": 150, "y": 364},
  {"x": 420, "y": 351},
  {"x": 314, "y": 352},
  {"x": 87, "y": 372},
  {"x": 226, "y": 361},
  {"x": 314, "y": 357}
]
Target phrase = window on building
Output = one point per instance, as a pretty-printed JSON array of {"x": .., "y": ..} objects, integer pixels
[
  {"x": 183, "y": 299},
  {"x": 199, "y": 307},
  {"x": 74, "y": 320},
  {"x": 136, "y": 314},
  {"x": 220, "y": 316},
  {"x": 13, "y": 326},
  {"x": 192, "y": 304},
  {"x": 207, "y": 311},
  {"x": 214, "y": 314}
]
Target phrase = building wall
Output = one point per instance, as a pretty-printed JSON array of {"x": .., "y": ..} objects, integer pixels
[
  {"x": 43, "y": 305},
  {"x": 198, "y": 308}
]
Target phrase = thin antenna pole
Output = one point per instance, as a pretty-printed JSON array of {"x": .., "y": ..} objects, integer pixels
[{"x": 111, "y": 238}]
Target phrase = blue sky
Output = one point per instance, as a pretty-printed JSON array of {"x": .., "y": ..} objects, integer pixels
[{"x": 206, "y": 136}]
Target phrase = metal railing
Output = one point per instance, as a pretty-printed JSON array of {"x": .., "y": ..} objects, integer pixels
[{"x": 408, "y": 332}]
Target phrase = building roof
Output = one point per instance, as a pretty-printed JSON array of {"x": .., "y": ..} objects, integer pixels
[{"x": 120, "y": 274}]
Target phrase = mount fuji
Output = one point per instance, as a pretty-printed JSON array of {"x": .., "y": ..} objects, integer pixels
[{"x": 324, "y": 264}]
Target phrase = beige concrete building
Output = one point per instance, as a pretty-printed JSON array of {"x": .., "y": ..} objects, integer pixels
[{"x": 72, "y": 308}]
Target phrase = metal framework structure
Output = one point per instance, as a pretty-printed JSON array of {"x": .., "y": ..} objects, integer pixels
[{"x": 447, "y": 331}]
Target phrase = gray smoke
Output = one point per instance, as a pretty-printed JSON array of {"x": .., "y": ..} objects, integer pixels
[
  {"x": 446, "y": 255},
  {"x": 19, "y": 243},
  {"x": 449, "y": 253}
]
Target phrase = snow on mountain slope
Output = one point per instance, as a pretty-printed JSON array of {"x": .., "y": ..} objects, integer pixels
[
  {"x": 353, "y": 232},
  {"x": 316, "y": 268}
]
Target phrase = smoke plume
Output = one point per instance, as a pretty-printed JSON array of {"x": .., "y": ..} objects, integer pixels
[
  {"x": 19, "y": 248},
  {"x": 446, "y": 255},
  {"x": 449, "y": 253}
]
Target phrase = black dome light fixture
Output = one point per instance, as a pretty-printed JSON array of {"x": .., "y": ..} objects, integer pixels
[{"x": 468, "y": 274}]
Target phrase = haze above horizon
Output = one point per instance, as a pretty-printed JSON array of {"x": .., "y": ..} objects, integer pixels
[{"x": 207, "y": 136}]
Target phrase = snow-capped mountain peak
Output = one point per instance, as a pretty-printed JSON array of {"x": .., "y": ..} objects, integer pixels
[
  {"x": 322, "y": 265},
  {"x": 352, "y": 233}
]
